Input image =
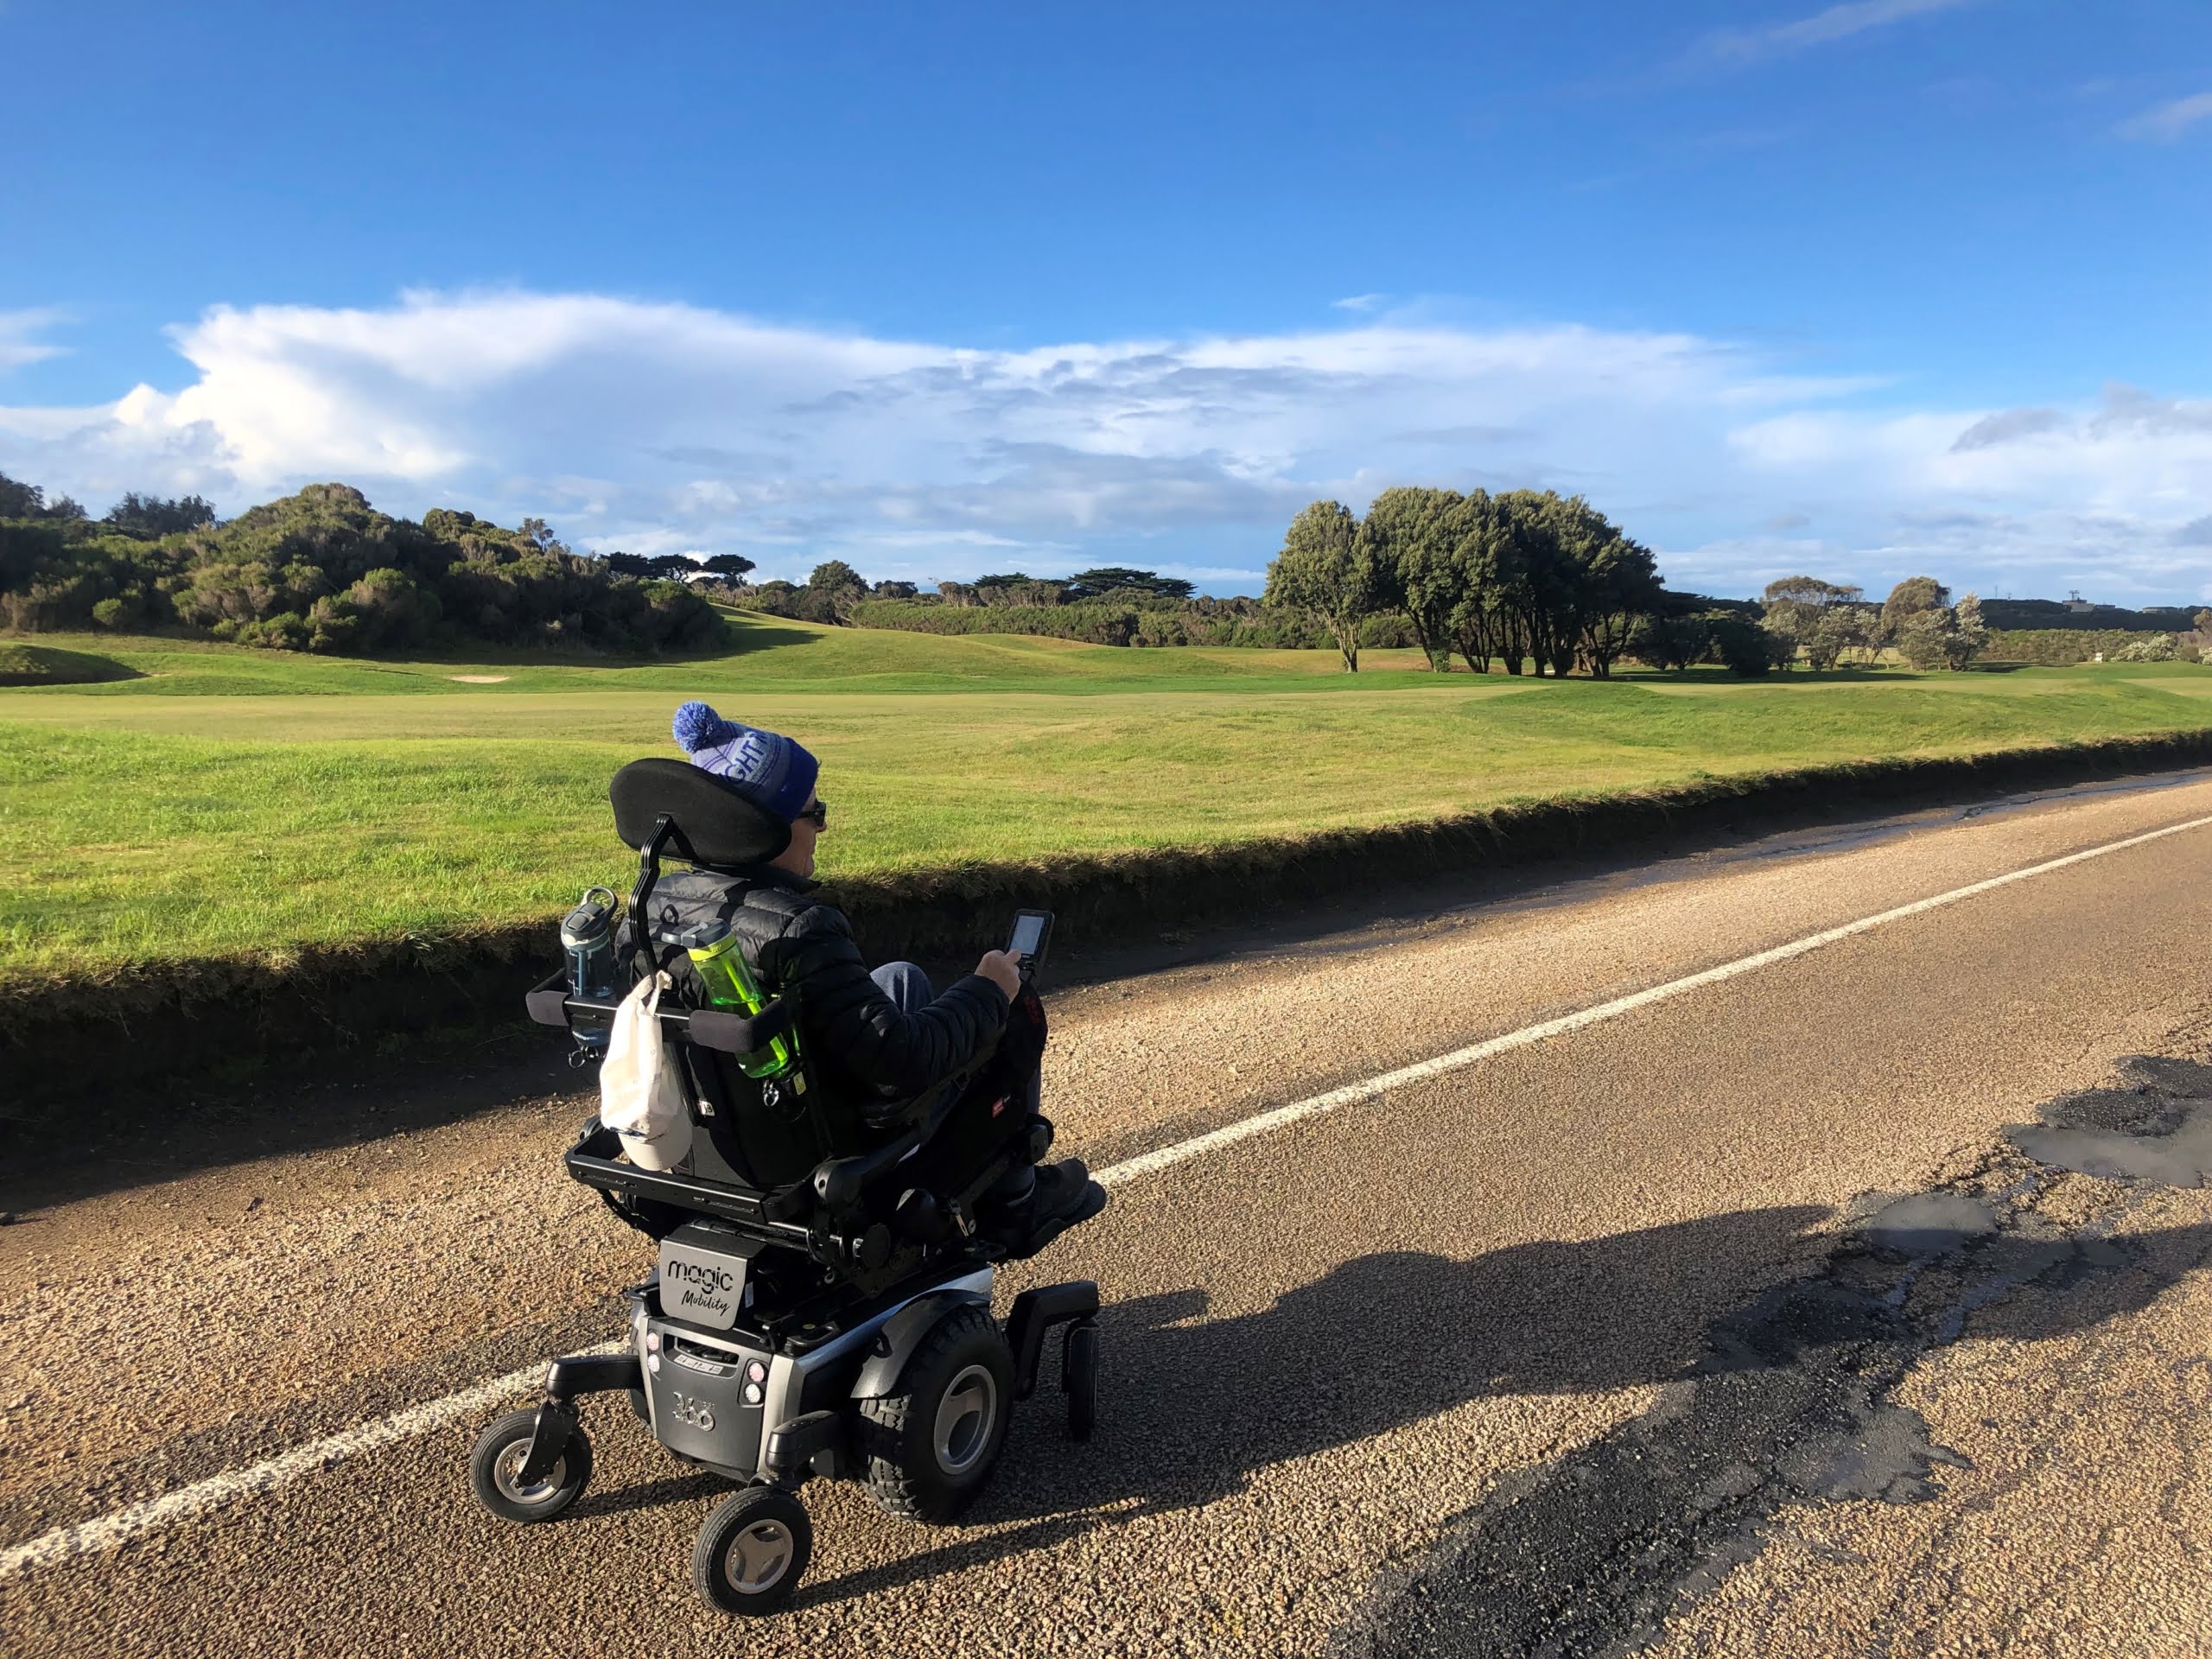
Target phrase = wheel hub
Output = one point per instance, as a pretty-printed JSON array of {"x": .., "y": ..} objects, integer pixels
[
  {"x": 508, "y": 1473},
  {"x": 758, "y": 1557},
  {"x": 966, "y": 1416}
]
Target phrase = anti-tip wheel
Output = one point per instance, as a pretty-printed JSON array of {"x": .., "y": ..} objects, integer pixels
[
  {"x": 752, "y": 1552},
  {"x": 495, "y": 1470},
  {"x": 1079, "y": 1378}
]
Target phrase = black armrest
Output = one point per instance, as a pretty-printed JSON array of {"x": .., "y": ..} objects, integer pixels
[
  {"x": 839, "y": 1182},
  {"x": 732, "y": 1033},
  {"x": 551, "y": 1003}
]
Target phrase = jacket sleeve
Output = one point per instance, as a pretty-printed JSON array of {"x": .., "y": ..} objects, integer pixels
[{"x": 844, "y": 1016}]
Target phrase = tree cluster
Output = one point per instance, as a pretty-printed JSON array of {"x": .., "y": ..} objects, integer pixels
[
  {"x": 1200, "y": 620},
  {"x": 323, "y": 571},
  {"x": 828, "y": 595},
  {"x": 679, "y": 567},
  {"x": 1524, "y": 578},
  {"x": 1108, "y": 606},
  {"x": 1115, "y": 584},
  {"x": 2064, "y": 647},
  {"x": 142, "y": 518},
  {"x": 1825, "y": 624}
]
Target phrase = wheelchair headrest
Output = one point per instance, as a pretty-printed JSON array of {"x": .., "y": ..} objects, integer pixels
[{"x": 714, "y": 825}]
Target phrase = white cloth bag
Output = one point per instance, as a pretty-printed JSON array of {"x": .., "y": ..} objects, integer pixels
[{"x": 640, "y": 1095}]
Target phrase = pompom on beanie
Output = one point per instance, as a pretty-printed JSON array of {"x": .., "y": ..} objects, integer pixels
[{"x": 768, "y": 769}]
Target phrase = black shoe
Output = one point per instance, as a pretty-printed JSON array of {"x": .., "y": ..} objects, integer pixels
[
  {"x": 1065, "y": 1197},
  {"x": 1011, "y": 1192}
]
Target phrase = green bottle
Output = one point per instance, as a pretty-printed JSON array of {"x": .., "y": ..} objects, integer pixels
[{"x": 722, "y": 969}]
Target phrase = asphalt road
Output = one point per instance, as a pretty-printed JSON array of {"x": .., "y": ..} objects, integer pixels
[{"x": 1735, "y": 1321}]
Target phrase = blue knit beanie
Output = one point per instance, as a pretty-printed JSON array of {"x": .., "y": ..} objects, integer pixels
[{"x": 768, "y": 769}]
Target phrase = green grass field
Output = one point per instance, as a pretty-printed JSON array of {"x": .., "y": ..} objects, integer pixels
[{"x": 235, "y": 802}]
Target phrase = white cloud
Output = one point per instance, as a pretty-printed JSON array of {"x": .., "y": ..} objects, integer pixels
[
  {"x": 19, "y": 343},
  {"x": 2168, "y": 121},
  {"x": 658, "y": 427},
  {"x": 2031, "y": 498},
  {"x": 1359, "y": 302},
  {"x": 1836, "y": 24}
]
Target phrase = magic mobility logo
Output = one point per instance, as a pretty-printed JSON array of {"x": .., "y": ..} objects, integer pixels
[{"x": 696, "y": 1286}]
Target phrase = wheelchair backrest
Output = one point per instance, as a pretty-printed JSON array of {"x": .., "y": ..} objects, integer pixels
[{"x": 765, "y": 1133}]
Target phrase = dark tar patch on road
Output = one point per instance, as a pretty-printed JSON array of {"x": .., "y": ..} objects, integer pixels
[
  {"x": 1591, "y": 1553},
  {"x": 2155, "y": 1126}
]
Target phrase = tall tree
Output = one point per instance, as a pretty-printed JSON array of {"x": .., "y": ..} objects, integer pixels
[
  {"x": 1537, "y": 579},
  {"x": 1968, "y": 633},
  {"x": 1470, "y": 576},
  {"x": 1839, "y": 628},
  {"x": 834, "y": 587},
  {"x": 1913, "y": 596},
  {"x": 29, "y": 501},
  {"x": 730, "y": 565},
  {"x": 1409, "y": 534},
  {"x": 1325, "y": 571},
  {"x": 1612, "y": 583},
  {"x": 1797, "y": 610}
]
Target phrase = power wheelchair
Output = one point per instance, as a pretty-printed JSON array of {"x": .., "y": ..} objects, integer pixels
[{"x": 813, "y": 1313}]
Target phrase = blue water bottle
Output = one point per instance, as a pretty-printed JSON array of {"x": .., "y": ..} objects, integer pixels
[{"x": 588, "y": 937}]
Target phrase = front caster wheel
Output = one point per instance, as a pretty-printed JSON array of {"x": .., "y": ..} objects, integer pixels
[
  {"x": 753, "y": 1551},
  {"x": 1079, "y": 1379},
  {"x": 495, "y": 1470}
]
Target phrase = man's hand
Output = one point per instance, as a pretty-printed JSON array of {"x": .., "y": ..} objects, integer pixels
[{"x": 1003, "y": 971}]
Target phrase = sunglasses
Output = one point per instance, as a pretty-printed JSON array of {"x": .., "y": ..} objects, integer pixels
[{"x": 817, "y": 814}]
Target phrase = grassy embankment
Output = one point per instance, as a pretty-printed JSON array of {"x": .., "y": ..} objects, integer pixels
[{"x": 234, "y": 803}]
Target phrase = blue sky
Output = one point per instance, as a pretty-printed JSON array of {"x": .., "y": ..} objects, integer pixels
[{"x": 1867, "y": 289}]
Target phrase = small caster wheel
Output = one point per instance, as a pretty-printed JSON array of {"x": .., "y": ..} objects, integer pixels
[
  {"x": 1079, "y": 1378},
  {"x": 495, "y": 1470},
  {"x": 753, "y": 1551}
]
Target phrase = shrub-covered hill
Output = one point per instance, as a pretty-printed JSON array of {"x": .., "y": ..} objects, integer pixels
[{"x": 324, "y": 571}]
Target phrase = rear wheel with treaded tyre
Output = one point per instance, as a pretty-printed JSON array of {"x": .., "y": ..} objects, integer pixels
[
  {"x": 932, "y": 1440},
  {"x": 753, "y": 1551},
  {"x": 495, "y": 1470}
]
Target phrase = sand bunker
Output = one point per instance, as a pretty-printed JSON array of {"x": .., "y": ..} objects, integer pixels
[{"x": 478, "y": 679}]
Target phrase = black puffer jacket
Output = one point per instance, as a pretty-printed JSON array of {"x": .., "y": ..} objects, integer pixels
[{"x": 855, "y": 1038}]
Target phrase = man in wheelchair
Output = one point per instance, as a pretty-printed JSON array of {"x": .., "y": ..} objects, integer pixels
[
  {"x": 858, "y": 1154},
  {"x": 881, "y": 1039}
]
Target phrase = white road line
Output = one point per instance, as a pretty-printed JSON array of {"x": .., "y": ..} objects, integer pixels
[
  {"x": 1266, "y": 1123},
  {"x": 107, "y": 1531}
]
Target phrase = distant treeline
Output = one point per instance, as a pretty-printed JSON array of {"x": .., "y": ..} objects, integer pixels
[
  {"x": 323, "y": 571},
  {"x": 2015, "y": 615},
  {"x": 1195, "y": 621},
  {"x": 1525, "y": 580}
]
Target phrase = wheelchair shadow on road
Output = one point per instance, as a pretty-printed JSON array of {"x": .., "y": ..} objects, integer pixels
[{"x": 1190, "y": 1408}]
